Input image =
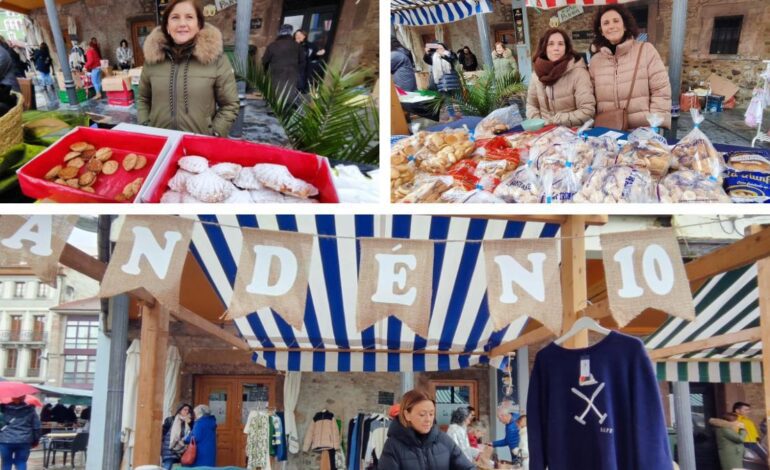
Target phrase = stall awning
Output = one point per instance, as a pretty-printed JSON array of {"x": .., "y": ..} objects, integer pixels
[
  {"x": 428, "y": 12},
  {"x": 728, "y": 303},
  {"x": 548, "y": 4},
  {"x": 460, "y": 318},
  {"x": 27, "y": 6}
]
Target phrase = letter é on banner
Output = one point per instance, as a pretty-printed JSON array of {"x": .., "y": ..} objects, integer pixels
[
  {"x": 512, "y": 272},
  {"x": 392, "y": 273},
  {"x": 37, "y": 229},
  {"x": 146, "y": 246},
  {"x": 287, "y": 269}
]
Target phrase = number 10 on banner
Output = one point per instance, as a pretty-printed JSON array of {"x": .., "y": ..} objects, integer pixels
[{"x": 657, "y": 271}]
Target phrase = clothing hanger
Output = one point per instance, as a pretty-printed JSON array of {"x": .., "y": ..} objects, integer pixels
[{"x": 583, "y": 323}]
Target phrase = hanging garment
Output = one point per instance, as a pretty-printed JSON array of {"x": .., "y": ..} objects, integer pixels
[
  {"x": 279, "y": 438},
  {"x": 596, "y": 408},
  {"x": 258, "y": 440},
  {"x": 323, "y": 433}
]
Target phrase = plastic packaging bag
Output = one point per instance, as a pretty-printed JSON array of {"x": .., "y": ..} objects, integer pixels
[
  {"x": 696, "y": 152},
  {"x": 753, "y": 116},
  {"x": 464, "y": 173},
  {"x": 617, "y": 183},
  {"x": 567, "y": 183},
  {"x": 498, "y": 121},
  {"x": 428, "y": 189},
  {"x": 558, "y": 135},
  {"x": 521, "y": 186},
  {"x": 605, "y": 151},
  {"x": 646, "y": 155},
  {"x": 691, "y": 186},
  {"x": 476, "y": 196},
  {"x": 554, "y": 157}
]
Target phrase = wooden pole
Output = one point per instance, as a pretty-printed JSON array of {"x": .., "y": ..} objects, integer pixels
[
  {"x": 573, "y": 276},
  {"x": 763, "y": 287},
  {"x": 152, "y": 370}
]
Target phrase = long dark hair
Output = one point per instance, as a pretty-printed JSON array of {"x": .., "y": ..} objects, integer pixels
[
  {"x": 542, "y": 46},
  {"x": 44, "y": 47},
  {"x": 95, "y": 45},
  {"x": 167, "y": 14},
  {"x": 123, "y": 41},
  {"x": 632, "y": 30}
]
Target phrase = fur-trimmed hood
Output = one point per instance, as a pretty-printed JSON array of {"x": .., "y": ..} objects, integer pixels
[
  {"x": 208, "y": 45},
  {"x": 721, "y": 423}
]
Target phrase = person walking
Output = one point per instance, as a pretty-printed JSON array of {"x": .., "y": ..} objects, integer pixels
[
  {"x": 458, "y": 431},
  {"x": 560, "y": 90},
  {"x": 93, "y": 66},
  {"x": 77, "y": 57},
  {"x": 415, "y": 442},
  {"x": 402, "y": 66},
  {"x": 175, "y": 429},
  {"x": 503, "y": 60},
  {"x": 19, "y": 433},
  {"x": 204, "y": 432},
  {"x": 187, "y": 82},
  {"x": 42, "y": 59},
  {"x": 313, "y": 68},
  {"x": 629, "y": 76},
  {"x": 512, "y": 438},
  {"x": 125, "y": 55},
  {"x": 730, "y": 434},
  {"x": 751, "y": 438},
  {"x": 284, "y": 59}
]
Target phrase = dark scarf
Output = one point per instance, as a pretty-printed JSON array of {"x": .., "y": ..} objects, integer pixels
[
  {"x": 179, "y": 52},
  {"x": 550, "y": 72}
]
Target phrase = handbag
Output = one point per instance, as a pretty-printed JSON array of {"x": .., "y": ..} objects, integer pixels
[
  {"x": 188, "y": 458},
  {"x": 618, "y": 118}
]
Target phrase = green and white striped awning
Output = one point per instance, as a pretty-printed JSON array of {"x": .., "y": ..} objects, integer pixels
[{"x": 727, "y": 303}]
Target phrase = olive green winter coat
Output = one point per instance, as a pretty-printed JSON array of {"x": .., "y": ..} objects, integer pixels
[
  {"x": 729, "y": 444},
  {"x": 195, "y": 93}
]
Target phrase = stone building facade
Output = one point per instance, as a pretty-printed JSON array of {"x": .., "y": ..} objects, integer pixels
[
  {"x": 742, "y": 68},
  {"x": 110, "y": 21}
]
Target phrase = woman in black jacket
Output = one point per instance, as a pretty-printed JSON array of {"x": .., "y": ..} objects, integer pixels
[
  {"x": 19, "y": 433},
  {"x": 442, "y": 72},
  {"x": 415, "y": 442},
  {"x": 175, "y": 429}
]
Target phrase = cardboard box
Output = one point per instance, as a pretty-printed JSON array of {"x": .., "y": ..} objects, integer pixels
[
  {"x": 116, "y": 83},
  {"x": 76, "y": 76},
  {"x": 107, "y": 71},
  {"x": 135, "y": 73},
  {"x": 722, "y": 86}
]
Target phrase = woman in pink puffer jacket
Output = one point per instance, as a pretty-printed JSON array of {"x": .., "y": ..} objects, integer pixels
[{"x": 612, "y": 68}]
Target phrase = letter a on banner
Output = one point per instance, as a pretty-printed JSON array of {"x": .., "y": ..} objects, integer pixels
[
  {"x": 37, "y": 240},
  {"x": 150, "y": 253},
  {"x": 523, "y": 279},
  {"x": 273, "y": 272},
  {"x": 645, "y": 270},
  {"x": 396, "y": 279}
]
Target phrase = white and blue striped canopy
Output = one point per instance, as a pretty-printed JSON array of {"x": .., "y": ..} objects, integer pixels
[
  {"x": 428, "y": 12},
  {"x": 460, "y": 317},
  {"x": 727, "y": 303}
]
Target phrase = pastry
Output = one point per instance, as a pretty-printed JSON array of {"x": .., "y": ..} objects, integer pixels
[
  {"x": 71, "y": 155},
  {"x": 87, "y": 179},
  {"x": 129, "y": 162},
  {"x": 103, "y": 154},
  {"x": 279, "y": 178},
  {"x": 95, "y": 165},
  {"x": 246, "y": 179},
  {"x": 194, "y": 164},
  {"x": 241, "y": 196},
  {"x": 209, "y": 187},
  {"x": 178, "y": 182},
  {"x": 171, "y": 197},
  {"x": 110, "y": 167},
  {"x": 53, "y": 173},
  {"x": 68, "y": 172},
  {"x": 141, "y": 162},
  {"x": 226, "y": 170},
  {"x": 79, "y": 146}
]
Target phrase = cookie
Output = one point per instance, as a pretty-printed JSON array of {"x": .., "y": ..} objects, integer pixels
[
  {"x": 68, "y": 172},
  {"x": 110, "y": 167},
  {"x": 141, "y": 162},
  {"x": 104, "y": 154},
  {"x": 130, "y": 161},
  {"x": 77, "y": 162},
  {"x": 53, "y": 173},
  {"x": 88, "y": 189},
  {"x": 71, "y": 155},
  {"x": 87, "y": 179},
  {"x": 95, "y": 165},
  {"x": 73, "y": 183},
  {"x": 88, "y": 153},
  {"x": 79, "y": 146}
]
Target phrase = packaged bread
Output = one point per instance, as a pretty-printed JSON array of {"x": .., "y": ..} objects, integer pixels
[
  {"x": 428, "y": 189},
  {"x": 442, "y": 151},
  {"x": 747, "y": 177},
  {"x": 691, "y": 186},
  {"x": 648, "y": 155},
  {"x": 617, "y": 183},
  {"x": 497, "y": 122},
  {"x": 475, "y": 196},
  {"x": 554, "y": 157},
  {"x": 696, "y": 152},
  {"x": 558, "y": 135},
  {"x": 521, "y": 186}
]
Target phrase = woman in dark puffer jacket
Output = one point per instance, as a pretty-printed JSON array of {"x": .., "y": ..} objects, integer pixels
[
  {"x": 175, "y": 429},
  {"x": 415, "y": 442}
]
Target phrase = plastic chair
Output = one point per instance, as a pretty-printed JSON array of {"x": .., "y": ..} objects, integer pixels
[{"x": 80, "y": 444}]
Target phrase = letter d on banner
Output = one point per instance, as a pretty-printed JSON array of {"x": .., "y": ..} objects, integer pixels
[
  {"x": 273, "y": 273},
  {"x": 37, "y": 240},
  {"x": 396, "y": 279},
  {"x": 645, "y": 270},
  {"x": 150, "y": 253},
  {"x": 523, "y": 279}
]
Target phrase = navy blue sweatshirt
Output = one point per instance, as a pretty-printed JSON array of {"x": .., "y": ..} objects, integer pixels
[{"x": 614, "y": 422}]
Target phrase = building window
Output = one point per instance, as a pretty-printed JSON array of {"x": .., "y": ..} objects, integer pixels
[
  {"x": 18, "y": 292},
  {"x": 70, "y": 291},
  {"x": 81, "y": 334},
  {"x": 15, "y": 334},
  {"x": 38, "y": 328},
  {"x": 34, "y": 363},
  {"x": 79, "y": 370},
  {"x": 10, "y": 363},
  {"x": 43, "y": 290},
  {"x": 726, "y": 35}
]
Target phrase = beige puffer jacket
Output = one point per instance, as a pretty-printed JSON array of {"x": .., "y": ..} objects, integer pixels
[
  {"x": 569, "y": 102},
  {"x": 612, "y": 74}
]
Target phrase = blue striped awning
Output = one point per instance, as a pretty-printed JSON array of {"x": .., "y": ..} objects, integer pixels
[
  {"x": 428, "y": 12},
  {"x": 460, "y": 317},
  {"x": 727, "y": 303}
]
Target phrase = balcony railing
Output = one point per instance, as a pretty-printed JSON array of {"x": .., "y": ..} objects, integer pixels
[
  {"x": 26, "y": 336},
  {"x": 33, "y": 372},
  {"x": 9, "y": 372}
]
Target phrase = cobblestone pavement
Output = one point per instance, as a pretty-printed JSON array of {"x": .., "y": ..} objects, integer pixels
[{"x": 36, "y": 462}]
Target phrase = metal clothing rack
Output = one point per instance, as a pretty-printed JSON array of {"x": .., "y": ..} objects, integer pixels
[{"x": 761, "y": 136}]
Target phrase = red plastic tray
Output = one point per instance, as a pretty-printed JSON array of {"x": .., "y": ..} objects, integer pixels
[
  {"x": 33, "y": 183},
  {"x": 305, "y": 166}
]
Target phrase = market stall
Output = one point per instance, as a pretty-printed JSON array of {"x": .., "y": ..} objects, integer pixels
[{"x": 495, "y": 160}]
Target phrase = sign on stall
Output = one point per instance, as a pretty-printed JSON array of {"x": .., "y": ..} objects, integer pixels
[
  {"x": 395, "y": 276},
  {"x": 222, "y": 4},
  {"x": 569, "y": 12}
]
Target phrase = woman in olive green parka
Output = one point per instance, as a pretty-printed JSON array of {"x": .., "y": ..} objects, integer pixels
[
  {"x": 187, "y": 83},
  {"x": 730, "y": 435}
]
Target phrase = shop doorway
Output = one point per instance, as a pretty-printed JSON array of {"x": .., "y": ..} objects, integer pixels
[
  {"x": 703, "y": 406},
  {"x": 139, "y": 32},
  {"x": 507, "y": 37},
  {"x": 318, "y": 18},
  {"x": 453, "y": 394},
  {"x": 231, "y": 398}
]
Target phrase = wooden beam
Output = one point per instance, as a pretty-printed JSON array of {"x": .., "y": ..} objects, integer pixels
[
  {"x": 752, "y": 334},
  {"x": 374, "y": 350},
  {"x": 86, "y": 264},
  {"x": 712, "y": 359},
  {"x": 152, "y": 370},
  {"x": 763, "y": 288},
  {"x": 573, "y": 277},
  {"x": 533, "y": 337}
]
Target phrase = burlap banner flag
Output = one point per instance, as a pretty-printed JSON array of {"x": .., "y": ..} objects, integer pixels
[
  {"x": 523, "y": 279},
  {"x": 645, "y": 270},
  {"x": 396, "y": 278},
  {"x": 150, "y": 253},
  {"x": 273, "y": 272},
  {"x": 37, "y": 240}
]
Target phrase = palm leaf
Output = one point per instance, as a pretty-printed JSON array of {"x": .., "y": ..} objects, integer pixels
[{"x": 485, "y": 94}]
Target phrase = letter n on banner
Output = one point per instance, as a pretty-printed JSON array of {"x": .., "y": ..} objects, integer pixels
[
  {"x": 523, "y": 279},
  {"x": 273, "y": 272},
  {"x": 645, "y": 270},
  {"x": 150, "y": 253},
  {"x": 395, "y": 278},
  {"x": 37, "y": 240}
]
